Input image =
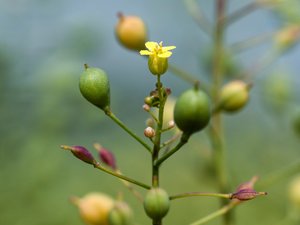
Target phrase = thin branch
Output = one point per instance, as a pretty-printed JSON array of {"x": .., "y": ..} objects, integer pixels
[
  {"x": 199, "y": 17},
  {"x": 217, "y": 213}
]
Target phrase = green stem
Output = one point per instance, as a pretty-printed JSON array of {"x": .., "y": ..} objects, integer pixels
[
  {"x": 251, "y": 42},
  {"x": 122, "y": 125},
  {"x": 279, "y": 175},
  {"x": 187, "y": 77},
  {"x": 196, "y": 13},
  {"x": 220, "y": 212},
  {"x": 184, "y": 139},
  {"x": 131, "y": 188},
  {"x": 116, "y": 174},
  {"x": 216, "y": 131},
  {"x": 157, "y": 139},
  {"x": 256, "y": 68},
  {"x": 219, "y": 159},
  {"x": 242, "y": 12},
  {"x": 192, "y": 194}
]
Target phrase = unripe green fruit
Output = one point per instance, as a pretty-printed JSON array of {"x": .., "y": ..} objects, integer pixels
[
  {"x": 234, "y": 96},
  {"x": 156, "y": 203},
  {"x": 94, "y": 86},
  {"x": 192, "y": 111},
  {"x": 121, "y": 214}
]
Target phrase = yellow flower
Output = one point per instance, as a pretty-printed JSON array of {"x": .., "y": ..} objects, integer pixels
[
  {"x": 157, "y": 49},
  {"x": 158, "y": 57}
]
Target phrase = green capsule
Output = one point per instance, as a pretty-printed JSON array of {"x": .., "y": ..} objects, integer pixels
[
  {"x": 192, "y": 111},
  {"x": 234, "y": 96},
  {"x": 94, "y": 86},
  {"x": 121, "y": 214},
  {"x": 156, "y": 203}
]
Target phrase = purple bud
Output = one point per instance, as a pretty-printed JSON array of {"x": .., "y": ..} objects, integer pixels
[
  {"x": 108, "y": 158},
  {"x": 246, "y": 194},
  {"x": 81, "y": 153}
]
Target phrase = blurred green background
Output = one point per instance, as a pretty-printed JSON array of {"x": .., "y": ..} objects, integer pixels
[{"x": 43, "y": 46}]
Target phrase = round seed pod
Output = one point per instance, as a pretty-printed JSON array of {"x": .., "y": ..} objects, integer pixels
[
  {"x": 121, "y": 214},
  {"x": 192, "y": 111},
  {"x": 94, "y": 208},
  {"x": 131, "y": 32},
  {"x": 94, "y": 86},
  {"x": 234, "y": 96},
  {"x": 156, "y": 203}
]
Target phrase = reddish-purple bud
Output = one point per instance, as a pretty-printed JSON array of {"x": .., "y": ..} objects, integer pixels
[
  {"x": 81, "y": 153},
  {"x": 106, "y": 156},
  {"x": 246, "y": 194}
]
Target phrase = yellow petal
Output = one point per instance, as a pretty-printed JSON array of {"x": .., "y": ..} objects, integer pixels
[
  {"x": 145, "y": 52},
  {"x": 168, "y": 48},
  {"x": 151, "y": 45},
  {"x": 165, "y": 54}
]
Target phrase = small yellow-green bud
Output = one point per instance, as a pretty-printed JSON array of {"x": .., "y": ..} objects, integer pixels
[
  {"x": 157, "y": 65},
  {"x": 294, "y": 192},
  {"x": 131, "y": 32},
  {"x": 94, "y": 86},
  {"x": 288, "y": 36},
  {"x": 233, "y": 96},
  {"x": 156, "y": 203}
]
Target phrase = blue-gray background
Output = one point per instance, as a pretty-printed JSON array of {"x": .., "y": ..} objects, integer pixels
[{"x": 43, "y": 46}]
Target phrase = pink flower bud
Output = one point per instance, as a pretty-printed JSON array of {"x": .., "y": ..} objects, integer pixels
[
  {"x": 81, "y": 153},
  {"x": 108, "y": 158},
  {"x": 146, "y": 107},
  {"x": 149, "y": 132},
  {"x": 246, "y": 192},
  {"x": 171, "y": 124}
]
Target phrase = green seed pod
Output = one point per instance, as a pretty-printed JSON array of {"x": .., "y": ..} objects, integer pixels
[
  {"x": 234, "y": 96},
  {"x": 192, "y": 111},
  {"x": 157, "y": 203},
  {"x": 94, "y": 86},
  {"x": 121, "y": 214}
]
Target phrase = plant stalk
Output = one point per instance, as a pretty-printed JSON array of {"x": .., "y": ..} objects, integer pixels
[
  {"x": 124, "y": 127},
  {"x": 216, "y": 130}
]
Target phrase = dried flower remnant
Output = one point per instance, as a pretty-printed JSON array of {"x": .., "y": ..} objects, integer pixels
[{"x": 246, "y": 192}]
